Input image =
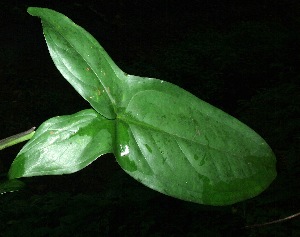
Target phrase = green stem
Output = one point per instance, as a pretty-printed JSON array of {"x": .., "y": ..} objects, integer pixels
[{"x": 15, "y": 139}]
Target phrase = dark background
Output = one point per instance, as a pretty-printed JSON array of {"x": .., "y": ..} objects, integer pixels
[{"x": 241, "y": 56}]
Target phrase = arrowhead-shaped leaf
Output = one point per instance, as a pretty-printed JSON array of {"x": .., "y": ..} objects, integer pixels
[{"x": 165, "y": 137}]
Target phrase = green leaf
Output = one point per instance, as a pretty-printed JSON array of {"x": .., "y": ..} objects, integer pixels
[
  {"x": 81, "y": 60},
  {"x": 11, "y": 185},
  {"x": 161, "y": 135},
  {"x": 64, "y": 144},
  {"x": 181, "y": 146}
]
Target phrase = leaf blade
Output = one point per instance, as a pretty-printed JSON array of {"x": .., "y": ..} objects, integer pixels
[
  {"x": 167, "y": 138},
  {"x": 64, "y": 144},
  {"x": 81, "y": 60},
  {"x": 203, "y": 151}
]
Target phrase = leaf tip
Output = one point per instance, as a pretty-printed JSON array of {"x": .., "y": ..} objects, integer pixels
[
  {"x": 32, "y": 10},
  {"x": 38, "y": 11}
]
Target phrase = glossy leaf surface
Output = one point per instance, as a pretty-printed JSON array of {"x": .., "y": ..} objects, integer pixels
[
  {"x": 81, "y": 60},
  {"x": 64, "y": 144},
  {"x": 161, "y": 135},
  {"x": 177, "y": 144}
]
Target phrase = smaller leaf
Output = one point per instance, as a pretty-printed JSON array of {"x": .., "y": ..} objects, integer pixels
[
  {"x": 11, "y": 186},
  {"x": 64, "y": 144}
]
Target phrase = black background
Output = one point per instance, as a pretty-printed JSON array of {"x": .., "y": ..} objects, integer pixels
[{"x": 241, "y": 56}]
